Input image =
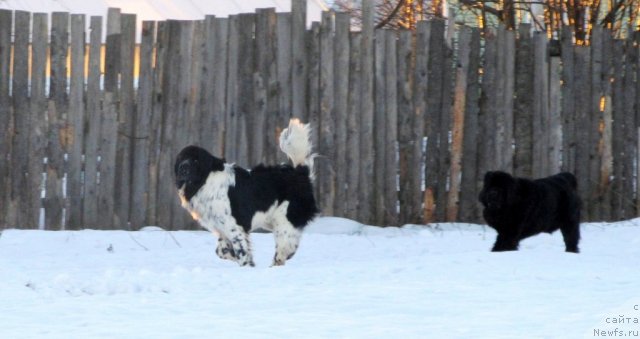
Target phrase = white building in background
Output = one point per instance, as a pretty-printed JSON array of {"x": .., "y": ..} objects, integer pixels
[{"x": 162, "y": 9}]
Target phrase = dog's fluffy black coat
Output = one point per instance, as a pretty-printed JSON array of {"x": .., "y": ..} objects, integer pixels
[
  {"x": 231, "y": 201},
  {"x": 518, "y": 208}
]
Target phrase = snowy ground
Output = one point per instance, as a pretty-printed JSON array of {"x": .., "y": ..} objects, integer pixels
[{"x": 345, "y": 281}]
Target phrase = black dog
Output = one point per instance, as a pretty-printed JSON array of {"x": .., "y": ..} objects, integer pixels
[
  {"x": 518, "y": 208},
  {"x": 230, "y": 201}
]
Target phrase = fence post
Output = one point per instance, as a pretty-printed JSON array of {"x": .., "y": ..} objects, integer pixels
[
  {"x": 326, "y": 130},
  {"x": 143, "y": 121},
  {"x": 353, "y": 126},
  {"x": 391, "y": 122},
  {"x": 38, "y": 107},
  {"x": 76, "y": 123},
  {"x": 341, "y": 102},
  {"x": 19, "y": 213},
  {"x": 420, "y": 103},
  {"x": 6, "y": 22},
  {"x": 380, "y": 128},
  {"x": 458, "y": 128},
  {"x": 90, "y": 206},
  {"x": 409, "y": 164},
  {"x": 471, "y": 179},
  {"x": 299, "y": 60}
]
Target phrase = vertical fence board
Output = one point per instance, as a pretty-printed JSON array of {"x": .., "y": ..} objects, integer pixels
[
  {"x": 264, "y": 119},
  {"x": 220, "y": 78},
  {"x": 76, "y": 123},
  {"x": 57, "y": 115},
  {"x": 379, "y": 128},
  {"x": 420, "y": 85},
  {"x": 299, "y": 57},
  {"x": 231, "y": 146},
  {"x": 486, "y": 118},
  {"x": 125, "y": 120},
  {"x": 617, "y": 198},
  {"x": 408, "y": 166},
  {"x": 6, "y": 22},
  {"x": 313, "y": 72},
  {"x": 326, "y": 131},
  {"x": 470, "y": 183},
  {"x": 554, "y": 128},
  {"x": 506, "y": 80},
  {"x": 181, "y": 108},
  {"x": 90, "y": 205},
  {"x": 196, "y": 72},
  {"x": 246, "y": 68},
  {"x": 112, "y": 50},
  {"x": 212, "y": 90},
  {"x": 582, "y": 124},
  {"x": 166, "y": 194},
  {"x": 19, "y": 213},
  {"x": 598, "y": 87},
  {"x": 141, "y": 141},
  {"x": 458, "y": 127},
  {"x": 365, "y": 196},
  {"x": 341, "y": 103},
  {"x": 157, "y": 127},
  {"x": 391, "y": 136},
  {"x": 606, "y": 170},
  {"x": 284, "y": 59},
  {"x": 523, "y": 105},
  {"x": 38, "y": 105},
  {"x": 436, "y": 136},
  {"x": 540, "y": 167},
  {"x": 568, "y": 101},
  {"x": 353, "y": 126},
  {"x": 630, "y": 128},
  {"x": 108, "y": 137}
]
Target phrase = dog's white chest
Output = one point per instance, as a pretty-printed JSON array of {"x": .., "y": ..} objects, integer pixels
[{"x": 210, "y": 206}]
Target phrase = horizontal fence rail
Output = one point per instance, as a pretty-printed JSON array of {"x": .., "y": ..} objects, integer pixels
[{"x": 406, "y": 123}]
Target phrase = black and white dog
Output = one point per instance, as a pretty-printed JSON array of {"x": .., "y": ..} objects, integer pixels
[{"x": 231, "y": 201}]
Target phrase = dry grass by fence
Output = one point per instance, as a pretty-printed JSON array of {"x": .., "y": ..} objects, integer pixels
[{"x": 405, "y": 126}]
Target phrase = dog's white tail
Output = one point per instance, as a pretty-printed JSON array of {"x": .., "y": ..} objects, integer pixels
[{"x": 295, "y": 142}]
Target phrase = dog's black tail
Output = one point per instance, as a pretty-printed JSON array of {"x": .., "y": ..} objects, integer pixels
[{"x": 295, "y": 142}]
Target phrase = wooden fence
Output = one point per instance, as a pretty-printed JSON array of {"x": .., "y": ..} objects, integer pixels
[{"x": 405, "y": 127}]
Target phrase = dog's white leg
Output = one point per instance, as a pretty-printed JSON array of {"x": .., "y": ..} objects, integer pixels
[
  {"x": 225, "y": 250},
  {"x": 287, "y": 241},
  {"x": 240, "y": 243}
]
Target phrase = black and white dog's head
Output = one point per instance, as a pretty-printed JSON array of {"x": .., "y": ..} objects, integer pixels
[
  {"x": 232, "y": 201},
  {"x": 192, "y": 168}
]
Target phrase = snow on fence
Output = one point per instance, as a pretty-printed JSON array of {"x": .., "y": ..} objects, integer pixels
[{"x": 404, "y": 125}]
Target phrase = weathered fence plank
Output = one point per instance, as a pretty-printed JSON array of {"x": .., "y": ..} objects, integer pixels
[
  {"x": 326, "y": 132},
  {"x": 265, "y": 119},
  {"x": 379, "y": 127},
  {"x": 92, "y": 133},
  {"x": 391, "y": 133},
  {"x": 408, "y": 162},
  {"x": 143, "y": 121},
  {"x": 313, "y": 72},
  {"x": 353, "y": 126},
  {"x": 630, "y": 128},
  {"x": 568, "y": 101},
  {"x": 76, "y": 123},
  {"x": 231, "y": 128},
  {"x": 436, "y": 138},
  {"x": 471, "y": 179},
  {"x": 157, "y": 124},
  {"x": 505, "y": 90},
  {"x": 6, "y": 22},
  {"x": 112, "y": 50},
  {"x": 57, "y": 114},
  {"x": 554, "y": 127},
  {"x": 19, "y": 213},
  {"x": 582, "y": 124},
  {"x": 246, "y": 106},
  {"x": 541, "y": 165},
  {"x": 108, "y": 143},
  {"x": 341, "y": 103},
  {"x": 125, "y": 120},
  {"x": 367, "y": 157},
  {"x": 38, "y": 106},
  {"x": 523, "y": 105},
  {"x": 213, "y": 89},
  {"x": 420, "y": 85},
  {"x": 458, "y": 114},
  {"x": 299, "y": 57},
  {"x": 284, "y": 59},
  {"x": 597, "y": 87}
]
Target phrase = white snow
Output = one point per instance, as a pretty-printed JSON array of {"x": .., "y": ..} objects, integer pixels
[{"x": 347, "y": 280}]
